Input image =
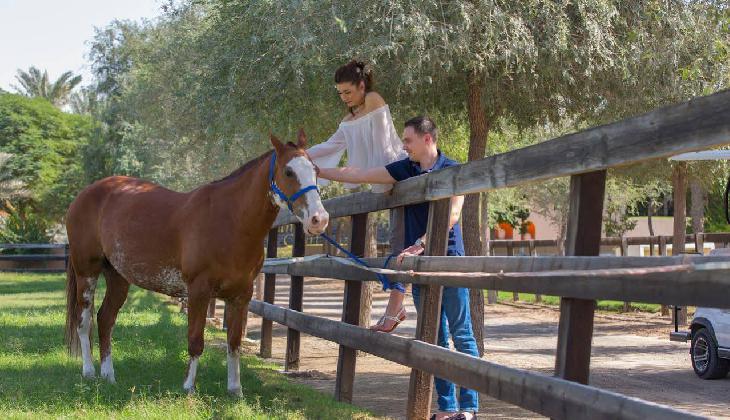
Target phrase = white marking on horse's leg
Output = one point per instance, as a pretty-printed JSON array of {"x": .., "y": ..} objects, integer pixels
[
  {"x": 234, "y": 372},
  {"x": 189, "y": 384},
  {"x": 84, "y": 330},
  {"x": 107, "y": 369}
]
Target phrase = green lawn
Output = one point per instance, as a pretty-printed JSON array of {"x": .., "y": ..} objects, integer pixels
[
  {"x": 604, "y": 305},
  {"x": 38, "y": 379}
]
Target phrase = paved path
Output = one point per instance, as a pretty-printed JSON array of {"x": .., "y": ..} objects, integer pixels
[{"x": 631, "y": 355}]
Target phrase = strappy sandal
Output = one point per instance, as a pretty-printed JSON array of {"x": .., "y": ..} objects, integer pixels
[
  {"x": 460, "y": 416},
  {"x": 396, "y": 321}
]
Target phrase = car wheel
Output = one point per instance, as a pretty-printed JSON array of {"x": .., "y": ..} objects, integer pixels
[{"x": 705, "y": 362}]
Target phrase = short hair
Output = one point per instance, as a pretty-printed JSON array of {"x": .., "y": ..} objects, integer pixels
[{"x": 423, "y": 125}]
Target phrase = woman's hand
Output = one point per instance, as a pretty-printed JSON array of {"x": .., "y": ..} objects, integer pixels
[{"x": 411, "y": 251}]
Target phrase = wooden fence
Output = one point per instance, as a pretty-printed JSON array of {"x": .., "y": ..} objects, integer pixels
[
  {"x": 35, "y": 262},
  {"x": 579, "y": 279}
]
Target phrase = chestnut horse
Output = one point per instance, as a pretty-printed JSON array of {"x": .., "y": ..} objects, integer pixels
[{"x": 204, "y": 244}]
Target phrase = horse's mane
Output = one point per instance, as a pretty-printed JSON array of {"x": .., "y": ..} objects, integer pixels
[
  {"x": 245, "y": 167},
  {"x": 250, "y": 164}
]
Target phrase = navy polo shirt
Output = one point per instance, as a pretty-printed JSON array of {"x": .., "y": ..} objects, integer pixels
[{"x": 416, "y": 215}]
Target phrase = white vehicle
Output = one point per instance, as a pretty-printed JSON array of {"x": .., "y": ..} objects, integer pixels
[{"x": 710, "y": 336}]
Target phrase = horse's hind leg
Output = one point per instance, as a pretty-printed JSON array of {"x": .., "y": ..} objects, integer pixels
[
  {"x": 85, "y": 288},
  {"x": 117, "y": 288}
]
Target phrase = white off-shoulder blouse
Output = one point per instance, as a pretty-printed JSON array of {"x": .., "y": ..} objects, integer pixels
[{"x": 370, "y": 141}]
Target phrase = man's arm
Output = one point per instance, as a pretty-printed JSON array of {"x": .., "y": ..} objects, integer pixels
[
  {"x": 456, "y": 204},
  {"x": 378, "y": 175}
]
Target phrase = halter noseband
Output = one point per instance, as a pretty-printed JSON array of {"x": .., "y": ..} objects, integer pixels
[{"x": 288, "y": 200}]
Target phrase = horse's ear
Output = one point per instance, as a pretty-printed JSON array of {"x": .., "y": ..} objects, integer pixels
[
  {"x": 278, "y": 145},
  {"x": 301, "y": 139}
]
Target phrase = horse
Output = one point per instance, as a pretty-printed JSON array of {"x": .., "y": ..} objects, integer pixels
[{"x": 207, "y": 243}]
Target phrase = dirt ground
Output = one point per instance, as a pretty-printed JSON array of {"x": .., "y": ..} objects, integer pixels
[{"x": 631, "y": 355}]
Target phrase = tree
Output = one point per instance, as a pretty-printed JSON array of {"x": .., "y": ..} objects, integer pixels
[
  {"x": 46, "y": 147},
  {"x": 34, "y": 83},
  {"x": 269, "y": 64}
]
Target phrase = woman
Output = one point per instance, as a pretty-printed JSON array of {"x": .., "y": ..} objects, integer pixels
[{"x": 368, "y": 135}]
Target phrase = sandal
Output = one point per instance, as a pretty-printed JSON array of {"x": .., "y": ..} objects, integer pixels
[
  {"x": 461, "y": 416},
  {"x": 396, "y": 321}
]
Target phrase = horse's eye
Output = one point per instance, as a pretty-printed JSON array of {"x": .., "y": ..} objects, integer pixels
[{"x": 288, "y": 172}]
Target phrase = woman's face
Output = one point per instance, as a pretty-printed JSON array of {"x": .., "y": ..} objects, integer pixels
[{"x": 351, "y": 94}]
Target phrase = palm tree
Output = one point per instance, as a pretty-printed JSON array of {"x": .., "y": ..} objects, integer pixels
[
  {"x": 34, "y": 83},
  {"x": 84, "y": 101}
]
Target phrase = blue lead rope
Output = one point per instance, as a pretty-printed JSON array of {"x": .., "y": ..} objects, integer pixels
[
  {"x": 383, "y": 279},
  {"x": 289, "y": 200}
]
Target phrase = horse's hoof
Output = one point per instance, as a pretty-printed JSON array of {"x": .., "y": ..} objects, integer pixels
[
  {"x": 89, "y": 374},
  {"x": 235, "y": 392},
  {"x": 109, "y": 378},
  {"x": 190, "y": 391}
]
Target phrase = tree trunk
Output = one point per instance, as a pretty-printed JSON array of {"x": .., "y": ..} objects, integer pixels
[
  {"x": 478, "y": 133},
  {"x": 649, "y": 214},
  {"x": 679, "y": 194},
  {"x": 697, "y": 206}
]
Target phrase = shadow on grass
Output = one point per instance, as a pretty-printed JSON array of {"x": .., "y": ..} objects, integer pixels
[{"x": 150, "y": 360}]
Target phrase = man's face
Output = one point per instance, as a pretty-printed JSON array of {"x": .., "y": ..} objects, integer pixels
[{"x": 414, "y": 144}]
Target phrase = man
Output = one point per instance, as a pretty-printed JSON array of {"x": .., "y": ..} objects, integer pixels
[{"x": 419, "y": 141}]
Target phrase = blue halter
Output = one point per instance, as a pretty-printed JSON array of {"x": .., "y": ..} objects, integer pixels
[{"x": 289, "y": 200}]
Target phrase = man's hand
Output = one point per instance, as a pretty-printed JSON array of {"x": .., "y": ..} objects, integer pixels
[{"x": 411, "y": 251}]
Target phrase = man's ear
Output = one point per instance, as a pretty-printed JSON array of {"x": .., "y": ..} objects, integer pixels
[{"x": 301, "y": 139}]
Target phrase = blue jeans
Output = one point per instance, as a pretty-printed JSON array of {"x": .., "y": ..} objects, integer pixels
[{"x": 455, "y": 319}]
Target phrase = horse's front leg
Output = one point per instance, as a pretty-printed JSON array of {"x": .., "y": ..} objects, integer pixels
[
  {"x": 235, "y": 319},
  {"x": 198, "y": 299}
]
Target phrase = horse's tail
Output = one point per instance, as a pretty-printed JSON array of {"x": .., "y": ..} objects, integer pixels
[{"x": 73, "y": 312}]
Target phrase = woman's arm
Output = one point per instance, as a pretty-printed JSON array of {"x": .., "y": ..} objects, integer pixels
[{"x": 324, "y": 154}]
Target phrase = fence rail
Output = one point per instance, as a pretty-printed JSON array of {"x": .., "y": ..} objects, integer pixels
[
  {"x": 30, "y": 263},
  {"x": 580, "y": 278}
]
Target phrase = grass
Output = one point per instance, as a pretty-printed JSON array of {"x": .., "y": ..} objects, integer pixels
[
  {"x": 603, "y": 305},
  {"x": 38, "y": 379}
]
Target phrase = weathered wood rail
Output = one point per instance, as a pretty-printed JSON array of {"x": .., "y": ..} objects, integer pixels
[{"x": 579, "y": 279}]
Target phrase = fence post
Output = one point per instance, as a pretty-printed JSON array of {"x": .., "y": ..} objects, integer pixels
[
  {"x": 66, "y": 256},
  {"x": 296, "y": 295},
  {"x": 429, "y": 313},
  {"x": 269, "y": 293},
  {"x": 533, "y": 253},
  {"x": 625, "y": 253},
  {"x": 511, "y": 253},
  {"x": 575, "y": 331},
  {"x": 663, "y": 253},
  {"x": 351, "y": 313}
]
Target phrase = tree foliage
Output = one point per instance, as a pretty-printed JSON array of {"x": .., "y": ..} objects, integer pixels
[{"x": 46, "y": 146}]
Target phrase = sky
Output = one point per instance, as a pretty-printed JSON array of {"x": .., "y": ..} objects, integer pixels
[{"x": 53, "y": 35}]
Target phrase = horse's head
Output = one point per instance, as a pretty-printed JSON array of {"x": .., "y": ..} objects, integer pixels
[{"x": 293, "y": 175}]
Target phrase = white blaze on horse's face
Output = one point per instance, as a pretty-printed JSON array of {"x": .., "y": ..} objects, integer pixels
[{"x": 310, "y": 211}]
